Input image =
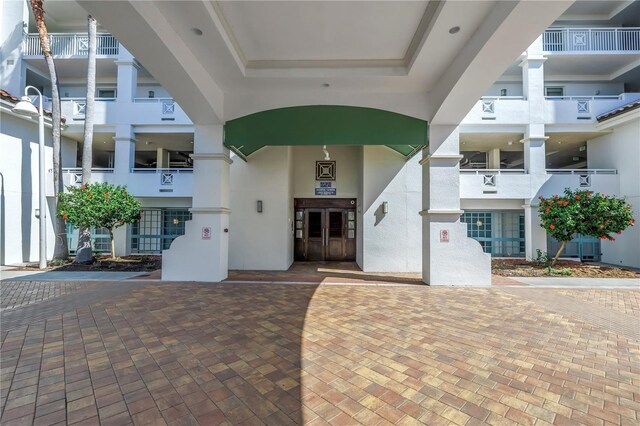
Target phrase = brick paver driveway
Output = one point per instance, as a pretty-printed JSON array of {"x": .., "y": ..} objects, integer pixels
[{"x": 155, "y": 353}]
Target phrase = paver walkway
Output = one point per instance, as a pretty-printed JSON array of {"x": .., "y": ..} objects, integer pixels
[{"x": 156, "y": 353}]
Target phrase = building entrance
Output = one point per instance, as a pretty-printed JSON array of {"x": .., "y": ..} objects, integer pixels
[{"x": 325, "y": 229}]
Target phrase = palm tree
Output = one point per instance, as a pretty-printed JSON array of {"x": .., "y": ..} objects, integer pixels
[
  {"x": 61, "y": 249},
  {"x": 84, "y": 253}
]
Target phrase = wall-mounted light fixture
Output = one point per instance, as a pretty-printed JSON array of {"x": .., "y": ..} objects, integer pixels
[
  {"x": 37, "y": 213},
  {"x": 176, "y": 221},
  {"x": 479, "y": 223},
  {"x": 385, "y": 207},
  {"x": 259, "y": 206}
]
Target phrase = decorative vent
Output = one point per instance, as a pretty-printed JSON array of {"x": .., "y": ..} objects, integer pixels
[
  {"x": 168, "y": 107},
  {"x": 583, "y": 106},
  {"x": 79, "y": 108},
  {"x": 488, "y": 107},
  {"x": 585, "y": 181},
  {"x": 77, "y": 178},
  {"x": 325, "y": 170},
  {"x": 489, "y": 180},
  {"x": 166, "y": 179}
]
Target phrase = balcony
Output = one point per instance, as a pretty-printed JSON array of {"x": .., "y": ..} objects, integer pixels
[
  {"x": 517, "y": 184},
  {"x": 160, "y": 182},
  {"x": 493, "y": 183},
  {"x": 69, "y": 45},
  {"x": 514, "y": 110},
  {"x": 591, "y": 40},
  {"x": 499, "y": 110},
  {"x": 175, "y": 182},
  {"x": 580, "y": 109},
  {"x": 140, "y": 111},
  {"x": 597, "y": 180}
]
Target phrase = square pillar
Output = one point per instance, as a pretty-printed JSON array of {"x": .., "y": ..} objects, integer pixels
[
  {"x": 449, "y": 257},
  {"x": 125, "y": 152},
  {"x": 127, "y": 80},
  {"x": 534, "y": 235},
  {"x": 202, "y": 253},
  {"x": 122, "y": 240},
  {"x": 493, "y": 159}
]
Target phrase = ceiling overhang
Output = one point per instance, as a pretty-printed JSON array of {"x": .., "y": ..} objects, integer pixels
[
  {"x": 379, "y": 66},
  {"x": 325, "y": 125}
]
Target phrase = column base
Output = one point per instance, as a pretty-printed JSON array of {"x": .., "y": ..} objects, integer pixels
[
  {"x": 451, "y": 258},
  {"x": 193, "y": 256}
]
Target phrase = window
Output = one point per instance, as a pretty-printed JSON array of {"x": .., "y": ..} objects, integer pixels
[
  {"x": 106, "y": 93},
  {"x": 500, "y": 233},
  {"x": 157, "y": 229},
  {"x": 554, "y": 91}
]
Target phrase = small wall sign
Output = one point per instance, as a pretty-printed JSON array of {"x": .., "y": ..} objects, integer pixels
[
  {"x": 444, "y": 235},
  {"x": 206, "y": 232}
]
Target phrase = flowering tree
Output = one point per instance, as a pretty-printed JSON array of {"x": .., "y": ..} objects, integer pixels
[
  {"x": 586, "y": 213},
  {"x": 99, "y": 205}
]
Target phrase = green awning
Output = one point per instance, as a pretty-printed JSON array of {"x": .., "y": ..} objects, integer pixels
[{"x": 325, "y": 125}]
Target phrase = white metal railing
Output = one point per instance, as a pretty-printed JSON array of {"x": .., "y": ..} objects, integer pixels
[
  {"x": 582, "y": 171},
  {"x": 152, "y": 100},
  {"x": 71, "y": 44},
  {"x": 162, "y": 170},
  {"x": 591, "y": 40},
  {"x": 493, "y": 171},
  {"x": 93, "y": 169},
  {"x": 501, "y": 98},
  {"x": 584, "y": 98}
]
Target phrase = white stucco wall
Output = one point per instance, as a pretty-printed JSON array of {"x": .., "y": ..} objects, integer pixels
[
  {"x": 19, "y": 187},
  {"x": 621, "y": 150},
  {"x": 304, "y": 170},
  {"x": 392, "y": 242},
  {"x": 261, "y": 241}
]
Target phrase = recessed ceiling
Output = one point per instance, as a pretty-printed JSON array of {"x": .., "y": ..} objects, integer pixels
[
  {"x": 590, "y": 9},
  {"x": 318, "y": 30},
  {"x": 487, "y": 141}
]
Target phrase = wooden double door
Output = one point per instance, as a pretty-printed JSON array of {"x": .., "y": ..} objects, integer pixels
[{"x": 325, "y": 233}]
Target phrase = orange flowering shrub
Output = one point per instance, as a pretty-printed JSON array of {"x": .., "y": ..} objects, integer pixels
[{"x": 585, "y": 213}]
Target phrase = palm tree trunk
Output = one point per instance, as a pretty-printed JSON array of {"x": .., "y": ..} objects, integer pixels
[
  {"x": 84, "y": 253},
  {"x": 61, "y": 249}
]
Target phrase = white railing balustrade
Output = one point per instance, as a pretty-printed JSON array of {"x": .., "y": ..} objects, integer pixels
[
  {"x": 591, "y": 40},
  {"x": 493, "y": 171},
  {"x": 584, "y": 98},
  {"x": 502, "y": 98},
  {"x": 582, "y": 171},
  {"x": 71, "y": 44},
  {"x": 162, "y": 170}
]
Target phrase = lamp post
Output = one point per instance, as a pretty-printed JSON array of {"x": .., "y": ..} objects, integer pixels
[{"x": 25, "y": 107}]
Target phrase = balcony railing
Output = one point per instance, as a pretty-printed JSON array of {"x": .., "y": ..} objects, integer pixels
[
  {"x": 493, "y": 171},
  {"x": 71, "y": 44},
  {"x": 582, "y": 171},
  {"x": 591, "y": 40}
]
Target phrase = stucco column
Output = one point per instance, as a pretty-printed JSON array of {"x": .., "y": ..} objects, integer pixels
[
  {"x": 125, "y": 152},
  {"x": 124, "y": 160},
  {"x": 127, "y": 79},
  {"x": 449, "y": 257},
  {"x": 493, "y": 158},
  {"x": 535, "y": 236},
  {"x": 202, "y": 253}
]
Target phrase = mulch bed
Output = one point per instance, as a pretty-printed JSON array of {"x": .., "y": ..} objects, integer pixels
[
  {"x": 106, "y": 263},
  {"x": 524, "y": 268}
]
